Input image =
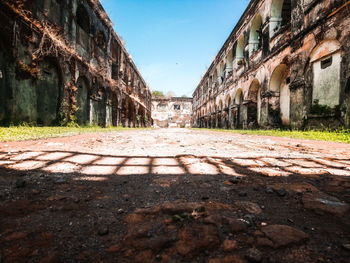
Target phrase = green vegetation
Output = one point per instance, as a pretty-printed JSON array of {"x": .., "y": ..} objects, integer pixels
[
  {"x": 334, "y": 136},
  {"x": 21, "y": 133},
  {"x": 317, "y": 108},
  {"x": 158, "y": 94}
]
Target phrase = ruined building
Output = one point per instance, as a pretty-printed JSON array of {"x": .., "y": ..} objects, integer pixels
[
  {"x": 286, "y": 63},
  {"x": 172, "y": 113},
  {"x": 62, "y": 62}
]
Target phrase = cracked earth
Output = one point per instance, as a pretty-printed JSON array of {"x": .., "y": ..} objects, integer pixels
[{"x": 174, "y": 195}]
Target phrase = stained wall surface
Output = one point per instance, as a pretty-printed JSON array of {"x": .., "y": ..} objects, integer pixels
[
  {"x": 172, "y": 112},
  {"x": 62, "y": 62},
  {"x": 285, "y": 64}
]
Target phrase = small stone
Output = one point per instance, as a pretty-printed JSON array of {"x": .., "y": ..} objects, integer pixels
[
  {"x": 20, "y": 183},
  {"x": 234, "y": 181},
  {"x": 52, "y": 257},
  {"x": 242, "y": 194},
  {"x": 249, "y": 218},
  {"x": 103, "y": 231},
  {"x": 264, "y": 242},
  {"x": 253, "y": 255},
  {"x": 281, "y": 192},
  {"x": 120, "y": 211},
  {"x": 283, "y": 236},
  {"x": 269, "y": 191},
  {"x": 61, "y": 181},
  {"x": 263, "y": 224},
  {"x": 149, "y": 234},
  {"x": 159, "y": 257},
  {"x": 229, "y": 245},
  {"x": 322, "y": 203},
  {"x": 36, "y": 192},
  {"x": 346, "y": 246}
]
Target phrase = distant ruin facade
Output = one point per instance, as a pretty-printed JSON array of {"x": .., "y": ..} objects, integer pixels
[
  {"x": 61, "y": 62},
  {"x": 172, "y": 113},
  {"x": 285, "y": 64}
]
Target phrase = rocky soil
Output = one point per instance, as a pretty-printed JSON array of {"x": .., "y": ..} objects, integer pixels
[{"x": 174, "y": 195}]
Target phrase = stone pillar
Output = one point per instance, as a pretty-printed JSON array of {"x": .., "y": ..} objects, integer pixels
[
  {"x": 253, "y": 46},
  {"x": 275, "y": 24}
]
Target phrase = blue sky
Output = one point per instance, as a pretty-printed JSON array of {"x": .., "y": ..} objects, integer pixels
[{"x": 173, "y": 42}]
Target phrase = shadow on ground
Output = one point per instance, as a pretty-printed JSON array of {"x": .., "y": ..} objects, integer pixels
[{"x": 66, "y": 206}]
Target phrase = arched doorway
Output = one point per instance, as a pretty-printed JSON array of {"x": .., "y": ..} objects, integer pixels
[
  {"x": 280, "y": 103},
  {"x": 131, "y": 114},
  {"x": 280, "y": 15},
  {"x": 240, "y": 51},
  {"x": 254, "y": 37},
  {"x": 83, "y": 112},
  {"x": 48, "y": 91},
  {"x": 254, "y": 104}
]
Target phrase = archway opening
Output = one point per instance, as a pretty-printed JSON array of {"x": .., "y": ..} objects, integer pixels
[
  {"x": 254, "y": 35},
  {"x": 229, "y": 62},
  {"x": 240, "y": 50},
  {"x": 280, "y": 103},
  {"x": 254, "y": 104},
  {"x": 280, "y": 15}
]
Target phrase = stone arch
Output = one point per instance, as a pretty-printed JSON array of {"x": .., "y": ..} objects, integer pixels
[
  {"x": 141, "y": 117},
  {"x": 229, "y": 61},
  {"x": 326, "y": 65},
  {"x": 280, "y": 88},
  {"x": 48, "y": 92},
  {"x": 131, "y": 113},
  {"x": 280, "y": 15},
  {"x": 220, "y": 105},
  {"x": 228, "y": 101},
  {"x": 254, "y": 106},
  {"x": 254, "y": 35},
  {"x": 240, "y": 49},
  {"x": 239, "y": 97},
  {"x": 82, "y": 98},
  {"x": 222, "y": 71}
]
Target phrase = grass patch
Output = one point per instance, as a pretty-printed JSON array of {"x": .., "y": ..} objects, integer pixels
[
  {"x": 334, "y": 136},
  {"x": 21, "y": 133}
]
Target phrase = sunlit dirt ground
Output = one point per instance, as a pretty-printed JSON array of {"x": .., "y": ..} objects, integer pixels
[{"x": 174, "y": 195}]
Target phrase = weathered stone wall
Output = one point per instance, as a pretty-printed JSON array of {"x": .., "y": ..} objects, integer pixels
[
  {"x": 172, "y": 113},
  {"x": 62, "y": 62},
  {"x": 286, "y": 63}
]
